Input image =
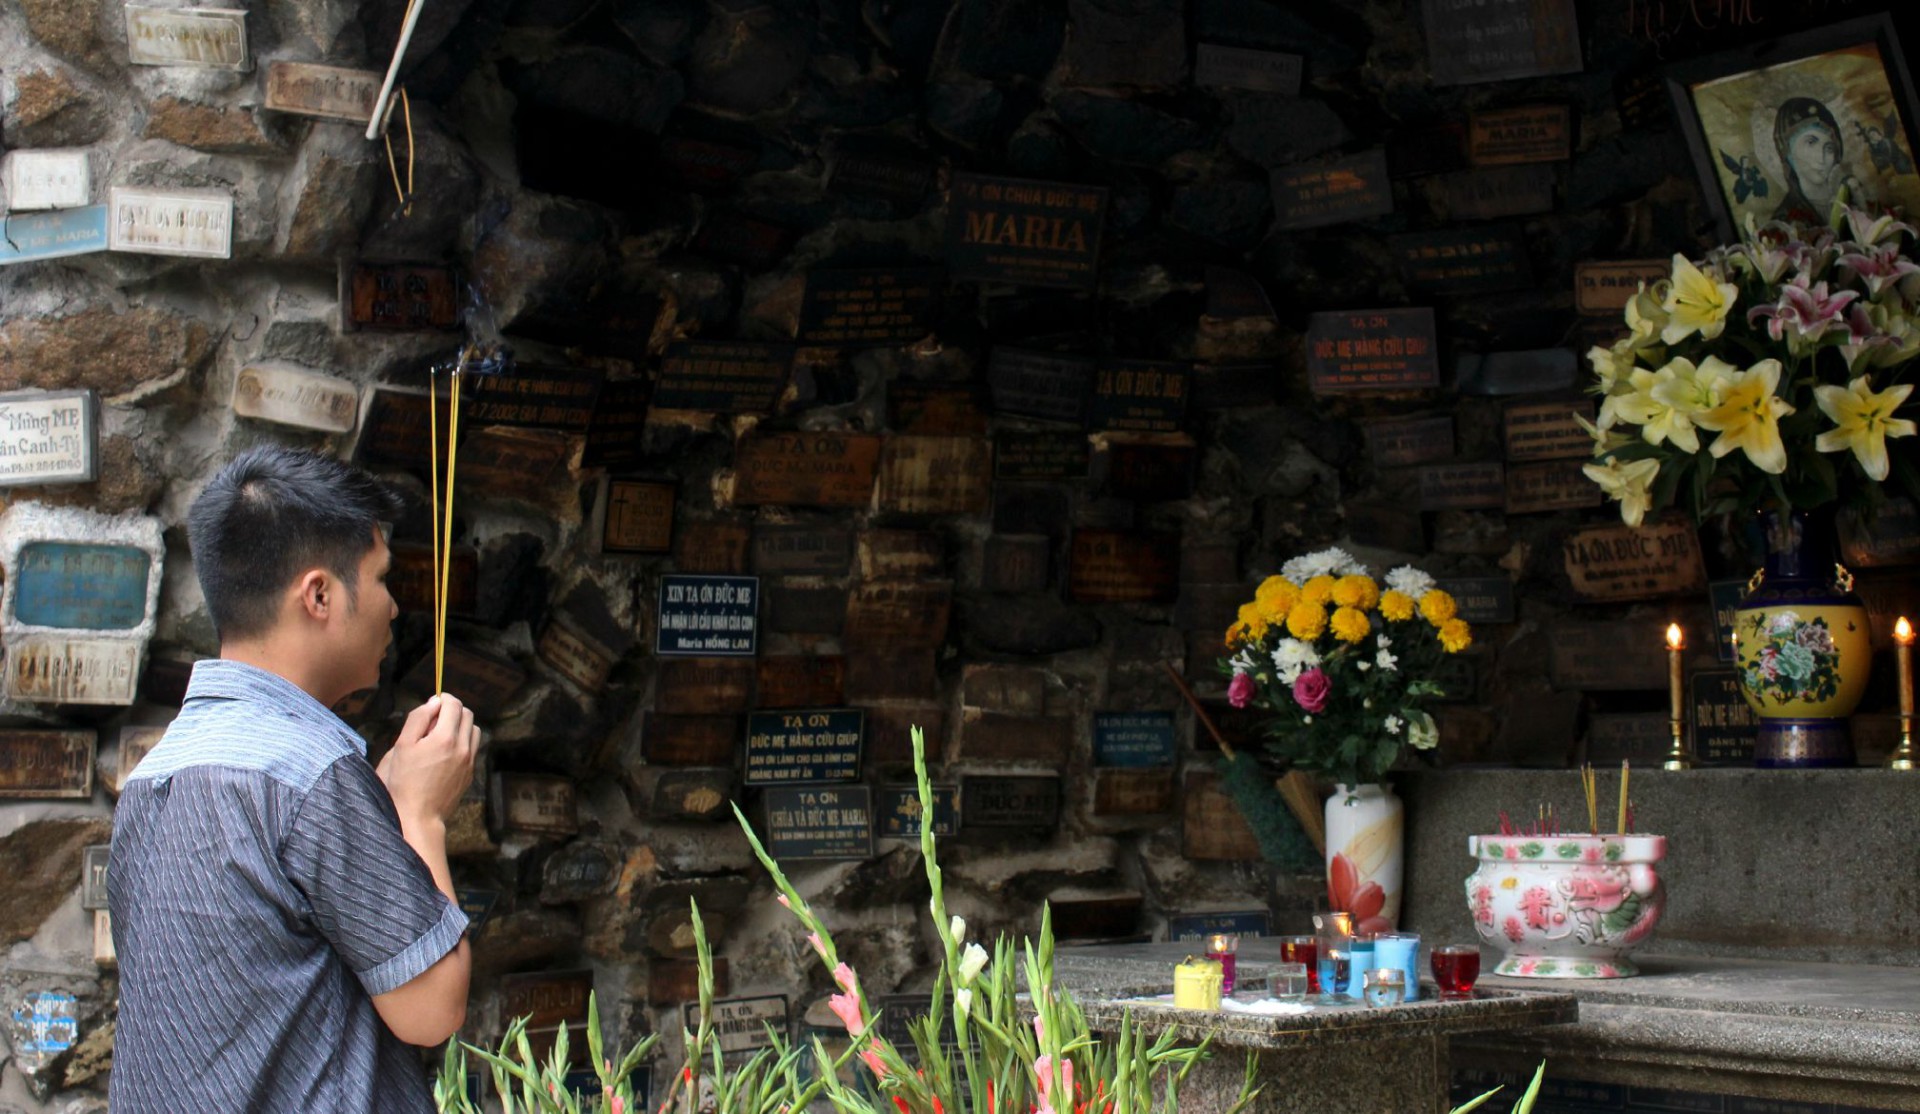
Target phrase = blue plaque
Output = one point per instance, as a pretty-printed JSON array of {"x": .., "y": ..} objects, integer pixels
[
  {"x": 820, "y": 822},
  {"x": 900, "y": 811},
  {"x": 1199, "y": 926},
  {"x": 1136, "y": 739},
  {"x": 75, "y": 586},
  {"x": 708, "y": 616},
  {"x": 811, "y": 745},
  {"x": 1724, "y": 596},
  {"x": 477, "y": 905},
  {"x": 53, "y": 234}
]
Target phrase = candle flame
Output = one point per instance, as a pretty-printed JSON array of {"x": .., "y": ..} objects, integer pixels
[
  {"x": 1903, "y": 631},
  {"x": 1675, "y": 640}
]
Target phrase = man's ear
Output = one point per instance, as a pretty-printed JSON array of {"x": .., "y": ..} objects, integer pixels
[{"x": 315, "y": 592}]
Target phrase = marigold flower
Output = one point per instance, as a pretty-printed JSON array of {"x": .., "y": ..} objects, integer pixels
[
  {"x": 1350, "y": 624},
  {"x": 1397, "y": 606},
  {"x": 1356, "y": 591},
  {"x": 1318, "y": 590},
  {"x": 1437, "y": 606},
  {"x": 1307, "y": 620},
  {"x": 1455, "y": 635}
]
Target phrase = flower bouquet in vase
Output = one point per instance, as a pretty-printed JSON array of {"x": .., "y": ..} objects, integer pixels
[
  {"x": 1769, "y": 380},
  {"x": 1343, "y": 665}
]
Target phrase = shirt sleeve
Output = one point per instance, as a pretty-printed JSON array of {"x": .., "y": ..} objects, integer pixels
[{"x": 371, "y": 896}]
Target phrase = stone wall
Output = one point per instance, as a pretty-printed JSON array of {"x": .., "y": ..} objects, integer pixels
[{"x": 609, "y": 177}]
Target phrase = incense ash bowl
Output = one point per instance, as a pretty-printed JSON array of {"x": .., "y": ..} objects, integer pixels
[{"x": 1566, "y": 907}]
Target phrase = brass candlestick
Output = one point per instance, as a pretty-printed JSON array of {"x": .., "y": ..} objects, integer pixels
[
  {"x": 1902, "y": 757},
  {"x": 1677, "y": 757}
]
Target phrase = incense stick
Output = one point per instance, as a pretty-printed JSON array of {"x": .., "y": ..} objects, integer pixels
[
  {"x": 1625, "y": 773},
  {"x": 1589, "y": 786},
  {"x": 446, "y": 556},
  {"x": 433, "y": 518}
]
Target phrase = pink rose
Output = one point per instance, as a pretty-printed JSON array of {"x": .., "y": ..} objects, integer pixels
[
  {"x": 1311, "y": 691},
  {"x": 1240, "y": 690}
]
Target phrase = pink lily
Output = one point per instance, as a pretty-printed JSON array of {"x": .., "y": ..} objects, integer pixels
[
  {"x": 1868, "y": 227},
  {"x": 1862, "y": 335},
  {"x": 1879, "y": 266},
  {"x": 1809, "y": 311}
]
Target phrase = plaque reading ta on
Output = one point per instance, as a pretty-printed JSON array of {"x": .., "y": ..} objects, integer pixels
[
  {"x": 54, "y": 235},
  {"x": 328, "y": 92},
  {"x": 47, "y": 437},
  {"x": 1659, "y": 558},
  {"x": 1121, "y": 566},
  {"x": 171, "y": 222},
  {"x": 1332, "y": 191},
  {"x": 901, "y": 812},
  {"x": 806, "y": 469},
  {"x": 291, "y": 397},
  {"x": 212, "y": 37},
  {"x": 36, "y": 763},
  {"x": 869, "y": 308},
  {"x": 47, "y": 180},
  {"x": 740, "y": 1025},
  {"x": 50, "y": 669},
  {"x": 820, "y": 822},
  {"x": 1372, "y": 350},
  {"x": 804, "y": 746},
  {"x": 1147, "y": 396}
]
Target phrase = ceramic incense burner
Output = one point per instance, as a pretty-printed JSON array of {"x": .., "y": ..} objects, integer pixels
[{"x": 1566, "y": 907}]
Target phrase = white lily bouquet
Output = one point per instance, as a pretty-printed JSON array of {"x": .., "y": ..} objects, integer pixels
[{"x": 1773, "y": 373}]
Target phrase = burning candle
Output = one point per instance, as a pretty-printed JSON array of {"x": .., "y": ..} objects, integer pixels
[
  {"x": 1676, "y": 642},
  {"x": 1903, "y": 656},
  {"x": 1223, "y": 948}
]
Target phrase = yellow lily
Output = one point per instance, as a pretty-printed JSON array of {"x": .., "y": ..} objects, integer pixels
[
  {"x": 1863, "y": 420},
  {"x": 1605, "y": 440},
  {"x": 1696, "y": 303},
  {"x": 1748, "y": 417},
  {"x": 1646, "y": 317},
  {"x": 1630, "y": 483},
  {"x": 1657, "y": 420}
]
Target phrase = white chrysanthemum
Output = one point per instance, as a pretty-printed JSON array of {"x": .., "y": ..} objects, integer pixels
[
  {"x": 1363, "y": 665},
  {"x": 1293, "y": 657},
  {"x": 1409, "y": 581},
  {"x": 1243, "y": 661},
  {"x": 1422, "y": 732},
  {"x": 1385, "y": 660},
  {"x": 1393, "y": 724},
  {"x": 1332, "y": 561}
]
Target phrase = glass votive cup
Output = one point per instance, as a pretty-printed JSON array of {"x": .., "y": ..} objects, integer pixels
[
  {"x": 1400, "y": 950},
  {"x": 1384, "y": 986},
  {"x": 1455, "y": 968},
  {"x": 1222, "y": 948},
  {"x": 1304, "y": 950},
  {"x": 1336, "y": 967},
  {"x": 1361, "y": 949},
  {"x": 1289, "y": 981}
]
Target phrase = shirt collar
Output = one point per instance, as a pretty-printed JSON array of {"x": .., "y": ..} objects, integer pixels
[{"x": 223, "y": 679}]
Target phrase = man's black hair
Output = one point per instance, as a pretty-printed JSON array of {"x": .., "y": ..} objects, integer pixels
[{"x": 271, "y": 514}]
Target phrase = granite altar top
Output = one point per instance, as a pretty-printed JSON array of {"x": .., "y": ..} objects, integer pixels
[
  {"x": 1815, "y": 991},
  {"x": 1115, "y": 980}
]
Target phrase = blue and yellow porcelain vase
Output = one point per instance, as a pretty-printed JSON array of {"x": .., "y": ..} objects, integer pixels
[{"x": 1802, "y": 645}]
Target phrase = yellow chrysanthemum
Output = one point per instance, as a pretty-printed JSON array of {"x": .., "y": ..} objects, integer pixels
[
  {"x": 1318, "y": 590},
  {"x": 1356, "y": 591},
  {"x": 1437, "y": 606},
  {"x": 1275, "y": 597},
  {"x": 1397, "y": 606},
  {"x": 1250, "y": 614},
  {"x": 1350, "y": 624},
  {"x": 1236, "y": 634},
  {"x": 1455, "y": 635},
  {"x": 1307, "y": 621}
]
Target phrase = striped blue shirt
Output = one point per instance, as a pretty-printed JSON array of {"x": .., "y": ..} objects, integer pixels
[{"x": 261, "y": 895}]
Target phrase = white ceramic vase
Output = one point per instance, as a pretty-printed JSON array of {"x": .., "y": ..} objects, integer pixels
[{"x": 1364, "y": 855}]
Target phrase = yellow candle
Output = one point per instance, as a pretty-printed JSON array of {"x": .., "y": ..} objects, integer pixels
[
  {"x": 1676, "y": 642},
  {"x": 1196, "y": 984},
  {"x": 1903, "y": 657}
]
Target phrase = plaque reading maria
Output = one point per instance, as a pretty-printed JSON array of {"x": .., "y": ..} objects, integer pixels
[
  {"x": 722, "y": 375},
  {"x": 820, "y": 822},
  {"x": 797, "y": 746},
  {"x": 869, "y": 308},
  {"x": 1372, "y": 350},
  {"x": 1530, "y": 133},
  {"x": 1031, "y": 233},
  {"x": 1333, "y": 191},
  {"x": 708, "y": 616}
]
